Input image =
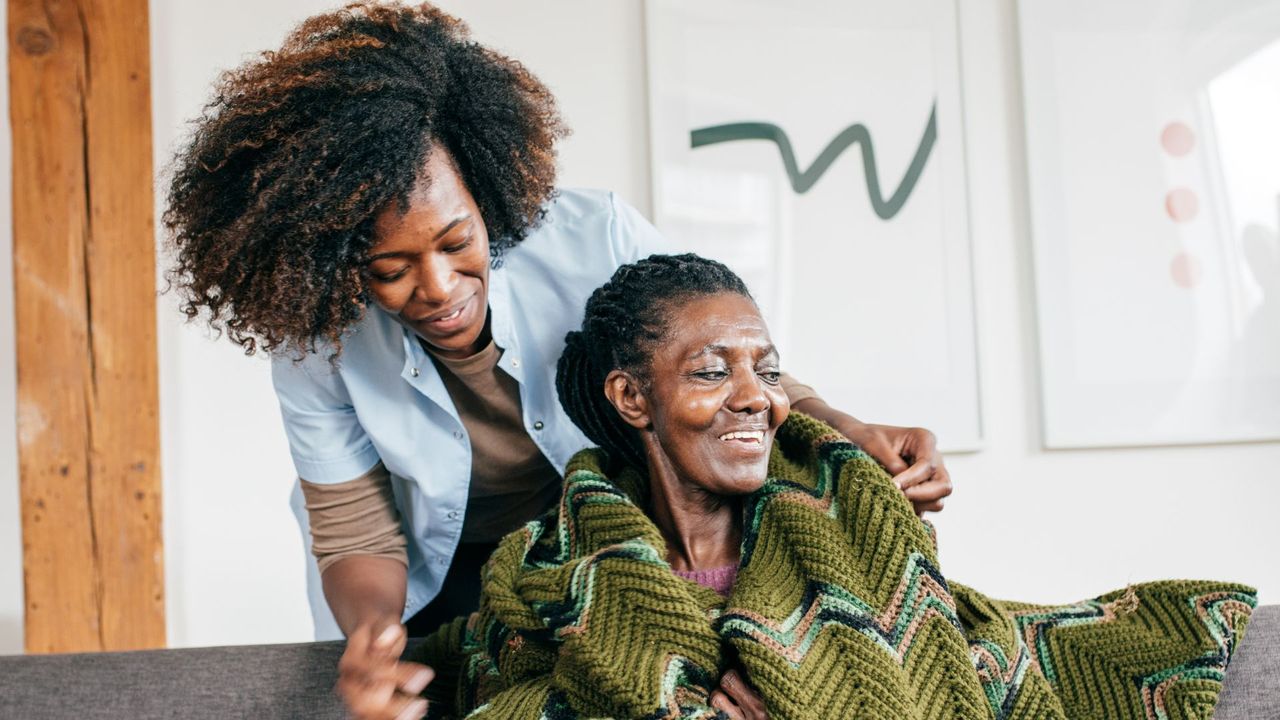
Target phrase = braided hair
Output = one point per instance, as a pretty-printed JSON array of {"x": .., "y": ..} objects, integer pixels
[{"x": 625, "y": 319}]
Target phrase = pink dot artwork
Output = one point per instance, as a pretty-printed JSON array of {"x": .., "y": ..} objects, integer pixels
[
  {"x": 1185, "y": 270},
  {"x": 1182, "y": 204},
  {"x": 1178, "y": 139}
]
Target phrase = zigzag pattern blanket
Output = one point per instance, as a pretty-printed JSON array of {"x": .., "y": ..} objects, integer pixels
[{"x": 839, "y": 611}]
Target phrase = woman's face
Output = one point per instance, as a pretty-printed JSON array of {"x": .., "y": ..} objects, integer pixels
[
  {"x": 714, "y": 400},
  {"x": 429, "y": 266}
]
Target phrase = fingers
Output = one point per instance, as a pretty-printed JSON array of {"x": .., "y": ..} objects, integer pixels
[
  {"x": 938, "y": 486},
  {"x": 391, "y": 641},
  {"x": 741, "y": 696},
  {"x": 918, "y": 473},
  {"x": 412, "y": 709},
  {"x": 932, "y": 491},
  {"x": 389, "y": 706},
  {"x": 380, "y": 700},
  {"x": 920, "y": 510},
  {"x": 928, "y": 497},
  {"x": 721, "y": 702},
  {"x": 884, "y": 453},
  {"x": 413, "y": 678},
  {"x": 372, "y": 681}
]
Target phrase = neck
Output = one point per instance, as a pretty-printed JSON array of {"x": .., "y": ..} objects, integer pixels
[{"x": 702, "y": 531}]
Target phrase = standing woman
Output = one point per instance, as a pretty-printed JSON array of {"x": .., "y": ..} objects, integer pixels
[{"x": 374, "y": 204}]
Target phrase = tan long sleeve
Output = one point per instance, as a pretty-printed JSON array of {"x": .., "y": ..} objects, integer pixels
[
  {"x": 796, "y": 390},
  {"x": 357, "y": 517}
]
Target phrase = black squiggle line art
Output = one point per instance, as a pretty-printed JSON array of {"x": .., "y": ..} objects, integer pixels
[{"x": 801, "y": 181}]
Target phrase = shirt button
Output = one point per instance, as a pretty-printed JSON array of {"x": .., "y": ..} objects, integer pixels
[
  {"x": 453, "y": 515},
  {"x": 457, "y": 434},
  {"x": 537, "y": 425},
  {"x": 515, "y": 362},
  {"x": 414, "y": 372}
]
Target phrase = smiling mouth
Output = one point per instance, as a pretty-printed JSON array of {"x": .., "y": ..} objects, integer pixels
[
  {"x": 450, "y": 316},
  {"x": 744, "y": 436}
]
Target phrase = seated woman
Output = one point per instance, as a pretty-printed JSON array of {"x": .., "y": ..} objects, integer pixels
[{"x": 714, "y": 531}]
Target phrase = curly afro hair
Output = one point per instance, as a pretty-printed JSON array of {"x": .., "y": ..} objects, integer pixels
[{"x": 271, "y": 207}]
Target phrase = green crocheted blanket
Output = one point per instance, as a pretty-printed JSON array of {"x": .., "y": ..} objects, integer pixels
[{"x": 839, "y": 611}]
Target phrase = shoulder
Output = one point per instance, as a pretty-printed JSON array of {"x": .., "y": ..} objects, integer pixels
[
  {"x": 593, "y": 225},
  {"x": 372, "y": 345},
  {"x": 581, "y": 205}
]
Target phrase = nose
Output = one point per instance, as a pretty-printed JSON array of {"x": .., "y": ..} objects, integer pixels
[
  {"x": 748, "y": 394},
  {"x": 435, "y": 280}
]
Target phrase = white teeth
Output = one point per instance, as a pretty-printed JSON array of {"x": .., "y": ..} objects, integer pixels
[
  {"x": 450, "y": 316},
  {"x": 756, "y": 435}
]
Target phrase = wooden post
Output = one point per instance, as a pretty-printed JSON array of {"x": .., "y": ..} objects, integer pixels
[{"x": 84, "y": 287}]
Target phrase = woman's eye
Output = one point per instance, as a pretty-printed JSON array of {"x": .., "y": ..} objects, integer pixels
[
  {"x": 454, "y": 249},
  {"x": 390, "y": 277}
]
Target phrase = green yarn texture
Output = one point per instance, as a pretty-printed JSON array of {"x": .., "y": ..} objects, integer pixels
[{"x": 839, "y": 610}]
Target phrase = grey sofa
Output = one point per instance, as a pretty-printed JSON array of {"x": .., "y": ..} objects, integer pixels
[{"x": 296, "y": 681}]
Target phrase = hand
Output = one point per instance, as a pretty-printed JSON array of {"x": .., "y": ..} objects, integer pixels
[
  {"x": 373, "y": 682},
  {"x": 911, "y": 456},
  {"x": 736, "y": 698}
]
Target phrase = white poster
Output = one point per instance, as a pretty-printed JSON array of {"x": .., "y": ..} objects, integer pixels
[
  {"x": 817, "y": 149},
  {"x": 1153, "y": 132}
]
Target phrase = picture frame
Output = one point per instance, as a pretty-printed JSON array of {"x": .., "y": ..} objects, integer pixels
[
  {"x": 1155, "y": 208},
  {"x": 818, "y": 150}
]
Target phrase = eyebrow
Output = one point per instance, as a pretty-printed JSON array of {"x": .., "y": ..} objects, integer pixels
[
  {"x": 445, "y": 231},
  {"x": 713, "y": 348}
]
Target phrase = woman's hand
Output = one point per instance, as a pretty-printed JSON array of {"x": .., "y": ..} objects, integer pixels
[
  {"x": 909, "y": 454},
  {"x": 374, "y": 683},
  {"x": 736, "y": 698}
]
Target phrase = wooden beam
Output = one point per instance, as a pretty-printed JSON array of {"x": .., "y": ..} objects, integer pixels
[{"x": 84, "y": 286}]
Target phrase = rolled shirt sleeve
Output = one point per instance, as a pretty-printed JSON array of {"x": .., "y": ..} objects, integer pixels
[{"x": 326, "y": 440}]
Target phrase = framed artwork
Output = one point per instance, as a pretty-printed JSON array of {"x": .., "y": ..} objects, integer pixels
[
  {"x": 817, "y": 149},
  {"x": 1153, "y": 146}
]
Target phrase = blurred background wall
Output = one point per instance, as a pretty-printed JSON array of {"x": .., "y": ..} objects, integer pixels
[{"x": 1064, "y": 524}]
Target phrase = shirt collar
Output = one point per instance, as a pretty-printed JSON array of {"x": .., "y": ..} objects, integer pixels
[
  {"x": 417, "y": 360},
  {"x": 500, "y": 309}
]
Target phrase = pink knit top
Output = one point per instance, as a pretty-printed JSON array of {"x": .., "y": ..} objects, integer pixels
[{"x": 719, "y": 579}]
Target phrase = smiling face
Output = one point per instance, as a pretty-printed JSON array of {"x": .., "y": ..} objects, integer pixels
[
  {"x": 713, "y": 401},
  {"x": 429, "y": 266}
]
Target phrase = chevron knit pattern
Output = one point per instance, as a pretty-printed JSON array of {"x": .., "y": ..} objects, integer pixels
[{"x": 840, "y": 610}]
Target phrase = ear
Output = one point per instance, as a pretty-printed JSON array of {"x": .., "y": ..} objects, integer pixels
[{"x": 623, "y": 390}]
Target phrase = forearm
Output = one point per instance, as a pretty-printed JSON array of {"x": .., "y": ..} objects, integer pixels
[
  {"x": 365, "y": 590},
  {"x": 807, "y": 400},
  {"x": 816, "y": 408}
]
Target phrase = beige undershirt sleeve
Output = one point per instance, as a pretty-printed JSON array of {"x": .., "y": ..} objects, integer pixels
[
  {"x": 796, "y": 390},
  {"x": 357, "y": 517}
]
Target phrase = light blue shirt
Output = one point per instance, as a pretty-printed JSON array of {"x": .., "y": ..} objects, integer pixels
[{"x": 385, "y": 401}]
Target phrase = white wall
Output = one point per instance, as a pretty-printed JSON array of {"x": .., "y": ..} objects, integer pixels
[
  {"x": 233, "y": 554},
  {"x": 1023, "y": 523},
  {"x": 10, "y": 516}
]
